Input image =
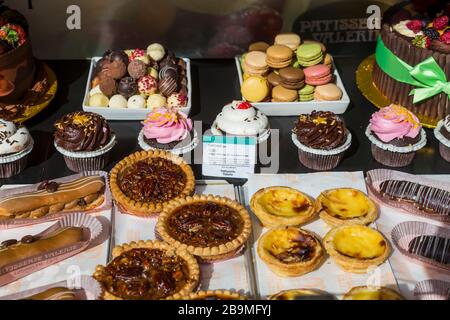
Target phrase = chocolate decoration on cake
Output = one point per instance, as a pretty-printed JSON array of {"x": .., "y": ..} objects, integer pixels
[
  {"x": 82, "y": 131},
  {"x": 429, "y": 199},
  {"x": 127, "y": 87},
  {"x": 431, "y": 247}
]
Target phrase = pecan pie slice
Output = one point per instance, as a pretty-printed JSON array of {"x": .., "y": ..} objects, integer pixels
[
  {"x": 290, "y": 251},
  {"x": 210, "y": 227},
  {"x": 150, "y": 270},
  {"x": 146, "y": 181}
]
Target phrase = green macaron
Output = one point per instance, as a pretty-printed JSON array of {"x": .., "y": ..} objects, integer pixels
[
  {"x": 309, "y": 54},
  {"x": 306, "y": 93}
]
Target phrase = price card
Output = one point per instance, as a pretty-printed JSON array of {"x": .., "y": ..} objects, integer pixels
[{"x": 228, "y": 156}]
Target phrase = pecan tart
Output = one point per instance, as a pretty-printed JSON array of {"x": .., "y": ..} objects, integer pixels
[
  {"x": 148, "y": 270},
  {"x": 144, "y": 182},
  {"x": 372, "y": 293},
  {"x": 214, "y": 295},
  {"x": 302, "y": 294},
  {"x": 344, "y": 206},
  {"x": 282, "y": 206},
  {"x": 356, "y": 248},
  {"x": 210, "y": 227},
  {"x": 290, "y": 251}
]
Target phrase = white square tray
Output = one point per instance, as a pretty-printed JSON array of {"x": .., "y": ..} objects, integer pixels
[
  {"x": 125, "y": 113},
  {"x": 297, "y": 108}
]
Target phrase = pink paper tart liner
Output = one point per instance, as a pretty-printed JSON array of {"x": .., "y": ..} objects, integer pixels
[
  {"x": 376, "y": 177},
  {"x": 20, "y": 222},
  {"x": 404, "y": 232},
  {"x": 432, "y": 290},
  {"x": 85, "y": 288},
  {"x": 182, "y": 150},
  {"x": 12, "y": 272}
]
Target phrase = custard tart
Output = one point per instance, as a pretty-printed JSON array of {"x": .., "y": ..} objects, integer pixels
[
  {"x": 146, "y": 181},
  {"x": 302, "y": 294},
  {"x": 209, "y": 227},
  {"x": 290, "y": 251},
  {"x": 345, "y": 206},
  {"x": 372, "y": 293},
  {"x": 356, "y": 248},
  {"x": 282, "y": 206},
  {"x": 150, "y": 270},
  {"x": 214, "y": 295}
]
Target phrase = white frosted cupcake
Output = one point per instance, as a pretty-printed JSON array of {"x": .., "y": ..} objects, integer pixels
[
  {"x": 15, "y": 145},
  {"x": 240, "y": 118}
]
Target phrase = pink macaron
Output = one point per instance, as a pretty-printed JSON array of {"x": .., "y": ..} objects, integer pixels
[{"x": 318, "y": 75}]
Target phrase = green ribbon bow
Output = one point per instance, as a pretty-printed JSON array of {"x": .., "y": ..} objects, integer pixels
[{"x": 427, "y": 75}]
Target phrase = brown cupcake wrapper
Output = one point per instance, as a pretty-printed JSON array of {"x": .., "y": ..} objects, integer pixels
[
  {"x": 432, "y": 290},
  {"x": 376, "y": 177},
  {"x": 391, "y": 158},
  {"x": 404, "y": 232},
  {"x": 24, "y": 267},
  {"x": 87, "y": 164},
  {"x": 10, "y": 169},
  {"x": 319, "y": 162},
  {"x": 20, "y": 222},
  {"x": 85, "y": 288},
  {"x": 444, "y": 151}
]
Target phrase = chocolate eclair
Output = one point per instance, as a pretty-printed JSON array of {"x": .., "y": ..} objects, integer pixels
[
  {"x": 56, "y": 293},
  {"x": 82, "y": 131},
  {"x": 431, "y": 247}
]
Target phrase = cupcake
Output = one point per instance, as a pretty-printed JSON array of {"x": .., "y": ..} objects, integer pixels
[
  {"x": 442, "y": 133},
  {"x": 321, "y": 138},
  {"x": 240, "y": 118},
  {"x": 396, "y": 135},
  {"x": 15, "y": 145},
  {"x": 168, "y": 129},
  {"x": 85, "y": 140}
]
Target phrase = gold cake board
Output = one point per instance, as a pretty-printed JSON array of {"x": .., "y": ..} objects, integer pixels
[{"x": 371, "y": 92}]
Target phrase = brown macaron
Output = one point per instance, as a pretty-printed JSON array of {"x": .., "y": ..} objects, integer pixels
[
  {"x": 274, "y": 79},
  {"x": 292, "y": 78},
  {"x": 281, "y": 94},
  {"x": 279, "y": 56},
  {"x": 258, "y": 46},
  {"x": 328, "y": 92}
]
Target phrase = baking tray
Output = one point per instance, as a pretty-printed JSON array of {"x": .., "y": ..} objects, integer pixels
[
  {"x": 297, "y": 108},
  {"x": 125, "y": 113}
]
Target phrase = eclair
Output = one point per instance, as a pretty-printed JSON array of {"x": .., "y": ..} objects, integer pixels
[{"x": 56, "y": 293}]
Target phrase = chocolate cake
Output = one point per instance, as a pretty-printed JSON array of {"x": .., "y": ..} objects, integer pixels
[{"x": 413, "y": 41}]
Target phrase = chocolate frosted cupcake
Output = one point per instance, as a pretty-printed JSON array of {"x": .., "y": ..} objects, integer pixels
[
  {"x": 321, "y": 138},
  {"x": 85, "y": 140},
  {"x": 396, "y": 134},
  {"x": 15, "y": 145},
  {"x": 442, "y": 133}
]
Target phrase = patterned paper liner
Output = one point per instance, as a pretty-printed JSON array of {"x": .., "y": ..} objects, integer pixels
[
  {"x": 259, "y": 138},
  {"x": 20, "y": 222},
  {"x": 321, "y": 152},
  {"x": 24, "y": 267},
  {"x": 18, "y": 155},
  {"x": 178, "y": 151},
  {"x": 85, "y": 288},
  {"x": 88, "y": 154},
  {"x": 389, "y": 147},
  {"x": 376, "y": 177},
  {"x": 432, "y": 290},
  {"x": 439, "y": 136},
  {"x": 404, "y": 232}
]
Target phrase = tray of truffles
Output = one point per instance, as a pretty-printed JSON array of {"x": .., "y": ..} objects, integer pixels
[
  {"x": 291, "y": 77},
  {"x": 128, "y": 84}
]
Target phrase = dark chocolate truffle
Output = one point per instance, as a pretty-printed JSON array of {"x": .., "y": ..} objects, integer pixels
[
  {"x": 119, "y": 55},
  {"x": 167, "y": 86},
  {"x": 127, "y": 87},
  {"x": 168, "y": 71},
  {"x": 137, "y": 69}
]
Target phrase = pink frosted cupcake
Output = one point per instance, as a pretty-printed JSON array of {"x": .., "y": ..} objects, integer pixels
[
  {"x": 396, "y": 134},
  {"x": 168, "y": 129}
]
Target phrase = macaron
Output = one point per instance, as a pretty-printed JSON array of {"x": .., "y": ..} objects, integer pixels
[
  {"x": 254, "y": 89},
  {"x": 279, "y": 56},
  {"x": 291, "y": 40},
  {"x": 274, "y": 79},
  {"x": 292, "y": 78},
  {"x": 281, "y": 94},
  {"x": 328, "y": 59},
  {"x": 255, "y": 63},
  {"x": 258, "y": 46},
  {"x": 309, "y": 54},
  {"x": 322, "y": 46},
  {"x": 318, "y": 75},
  {"x": 328, "y": 92},
  {"x": 306, "y": 93}
]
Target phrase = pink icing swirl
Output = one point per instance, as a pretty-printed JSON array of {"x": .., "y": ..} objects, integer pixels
[
  {"x": 167, "y": 125},
  {"x": 393, "y": 122}
]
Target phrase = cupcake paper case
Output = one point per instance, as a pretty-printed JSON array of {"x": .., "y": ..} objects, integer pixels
[
  {"x": 442, "y": 134},
  {"x": 85, "y": 140},
  {"x": 396, "y": 135},
  {"x": 16, "y": 144}
]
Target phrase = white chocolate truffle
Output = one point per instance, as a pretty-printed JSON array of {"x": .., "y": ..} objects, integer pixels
[
  {"x": 156, "y": 100},
  {"x": 136, "y": 102},
  {"x": 156, "y": 51},
  {"x": 118, "y": 101},
  {"x": 98, "y": 100},
  {"x": 153, "y": 72},
  {"x": 95, "y": 90}
]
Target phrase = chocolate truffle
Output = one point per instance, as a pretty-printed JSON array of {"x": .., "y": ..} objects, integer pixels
[
  {"x": 137, "y": 69},
  {"x": 127, "y": 87},
  {"x": 168, "y": 71},
  {"x": 119, "y": 55},
  {"x": 108, "y": 86},
  {"x": 115, "y": 69},
  {"x": 167, "y": 86}
]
